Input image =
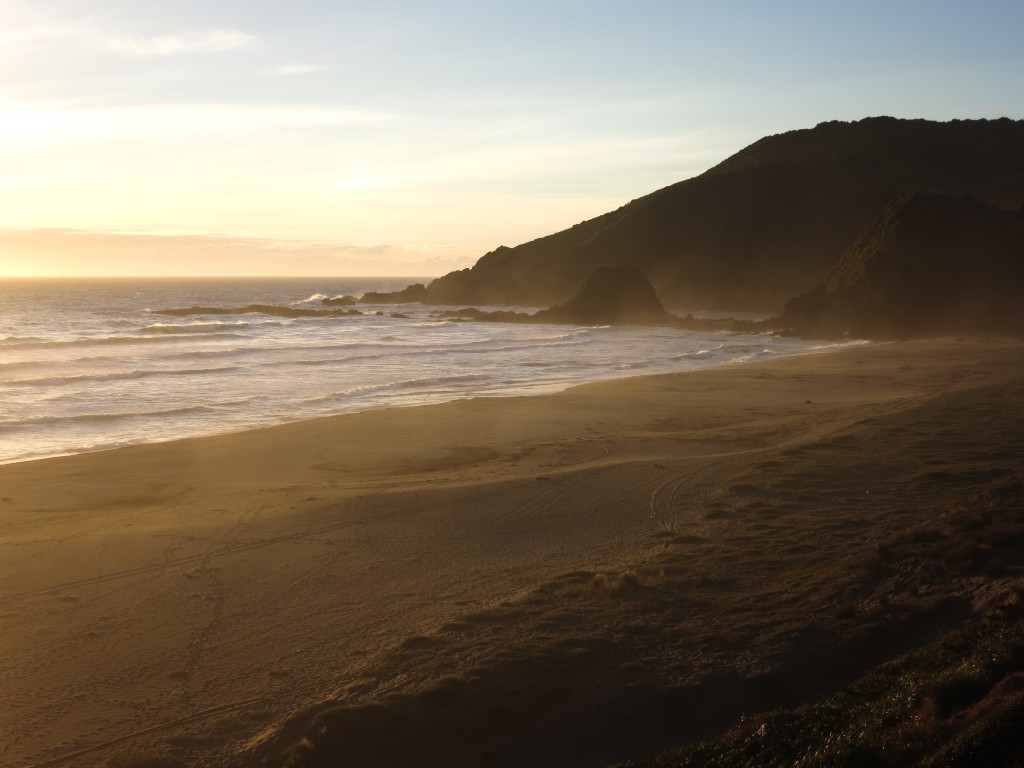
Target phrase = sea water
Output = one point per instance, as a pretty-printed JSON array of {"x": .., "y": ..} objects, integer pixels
[{"x": 90, "y": 364}]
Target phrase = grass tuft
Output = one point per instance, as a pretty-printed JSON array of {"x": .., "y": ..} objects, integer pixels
[{"x": 616, "y": 585}]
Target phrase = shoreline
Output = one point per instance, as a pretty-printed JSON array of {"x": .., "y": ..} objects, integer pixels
[
  {"x": 630, "y": 541},
  {"x": 827, "y": 347}
]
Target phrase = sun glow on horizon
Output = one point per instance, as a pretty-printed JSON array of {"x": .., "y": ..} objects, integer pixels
[
  {"x": 456, "y": 128},
  {"x": 82, "y": 253}
]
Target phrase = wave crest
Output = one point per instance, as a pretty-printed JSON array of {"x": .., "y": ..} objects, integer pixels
[{"x": 58, "y": 381}]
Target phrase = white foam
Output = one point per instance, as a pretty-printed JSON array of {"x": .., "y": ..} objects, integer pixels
[{"x": 83, "y": 366}]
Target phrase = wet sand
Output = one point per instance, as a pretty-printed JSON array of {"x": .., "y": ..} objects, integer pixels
[{"x": 568, "y": 579}]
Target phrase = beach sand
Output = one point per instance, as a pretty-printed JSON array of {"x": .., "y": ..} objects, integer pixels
[{"x": 568, "y": 579}]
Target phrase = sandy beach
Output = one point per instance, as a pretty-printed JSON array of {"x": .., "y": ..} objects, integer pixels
[{"x": 570, "y": 579}]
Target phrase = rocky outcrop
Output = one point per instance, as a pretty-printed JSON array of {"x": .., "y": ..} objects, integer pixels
[
  {"x": 417, "y": 292},
  {"x": 340, "y": 301},
  {"x": 618, "y": 295}
]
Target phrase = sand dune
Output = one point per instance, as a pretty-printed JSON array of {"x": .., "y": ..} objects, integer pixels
[{"x": 569, "y": 579}]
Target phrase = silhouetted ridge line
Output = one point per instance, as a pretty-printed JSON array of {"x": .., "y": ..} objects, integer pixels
[{"x": 764, "y": 225}]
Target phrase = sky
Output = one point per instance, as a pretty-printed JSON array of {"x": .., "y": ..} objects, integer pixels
[{"x": 332, "y": 137}]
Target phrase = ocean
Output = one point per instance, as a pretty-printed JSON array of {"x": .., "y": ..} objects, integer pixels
[{"x": 89, "y": 364}]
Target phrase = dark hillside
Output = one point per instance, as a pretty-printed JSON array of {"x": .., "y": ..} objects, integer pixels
[
  {"x": 764, "y": 225},
  {"x": 928, "y": 264}
]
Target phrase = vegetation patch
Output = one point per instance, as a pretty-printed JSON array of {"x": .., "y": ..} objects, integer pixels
[
  {"x": 956, "y": 702},
  {"x": 614, "y": 585}
]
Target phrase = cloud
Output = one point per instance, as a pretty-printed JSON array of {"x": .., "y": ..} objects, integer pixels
[
  {"x": 27, "y": 27},
  {"x": 35, "y": 34},
  {"x": 210, "y": 41},
  {"x": 25, "y": 127},
  {"x": 44, "y": 252},
  {"x": 298, "y": 69}
]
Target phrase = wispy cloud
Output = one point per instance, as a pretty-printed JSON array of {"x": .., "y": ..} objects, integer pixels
[
  {"x": 298, "y": 69},
  {"x": 26, "y": 127},
  {"x": 29, "y": 26},
  {"x": 210, "y": 41},
  {"x": 57, "y": 251},
  {"x": 37, "y": 33}
]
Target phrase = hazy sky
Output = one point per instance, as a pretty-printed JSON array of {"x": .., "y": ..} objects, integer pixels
[{"x": 338, "y": 137}]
